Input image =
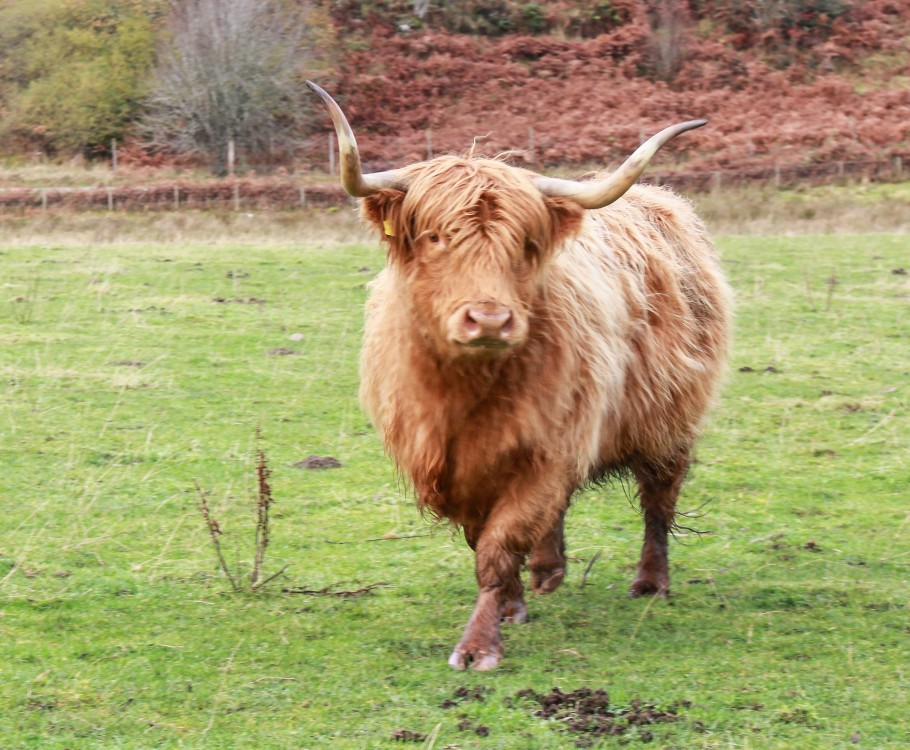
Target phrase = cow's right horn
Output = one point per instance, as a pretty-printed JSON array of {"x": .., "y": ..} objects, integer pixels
[
  {"x": 604, "y": 192},
  {"x": 354, "y": 181}
]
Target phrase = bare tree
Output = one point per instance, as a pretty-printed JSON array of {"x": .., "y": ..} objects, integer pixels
[
  {"x": 229, "y": 72},
  {"x": 669, "y": 22}
]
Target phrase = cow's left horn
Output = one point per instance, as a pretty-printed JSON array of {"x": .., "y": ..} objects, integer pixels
[
  {"x": 604, "y": 192},
  {"x": 354, "y": 181}
]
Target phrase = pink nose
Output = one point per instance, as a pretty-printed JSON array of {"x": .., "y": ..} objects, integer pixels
[{"x": 487, "y": 322}]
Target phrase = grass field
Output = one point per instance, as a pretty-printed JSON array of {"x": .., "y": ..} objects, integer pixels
[{"x": 139, "y": 357}]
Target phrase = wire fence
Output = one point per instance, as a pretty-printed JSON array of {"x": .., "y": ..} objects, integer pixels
[{"x": 285, "y": 193}]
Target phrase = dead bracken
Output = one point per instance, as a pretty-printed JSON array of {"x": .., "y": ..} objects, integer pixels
[{"x": 587, "y": 712}]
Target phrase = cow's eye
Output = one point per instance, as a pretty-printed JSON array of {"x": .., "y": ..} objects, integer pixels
[{"x": 434, "y": 238}]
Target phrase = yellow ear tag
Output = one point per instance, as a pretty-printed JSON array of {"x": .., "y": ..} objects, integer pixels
[{"x": 387, "y": 225}]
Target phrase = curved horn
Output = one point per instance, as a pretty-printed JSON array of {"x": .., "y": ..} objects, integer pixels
[
  {"x": 604, "y": 192},
  {"x": 354, "y": 181}
]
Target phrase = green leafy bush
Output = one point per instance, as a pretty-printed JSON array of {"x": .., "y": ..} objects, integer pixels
[{"x": 74, "y": 72}]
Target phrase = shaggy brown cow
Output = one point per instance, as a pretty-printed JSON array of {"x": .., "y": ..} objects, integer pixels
[{"x": 524, "y": 340}]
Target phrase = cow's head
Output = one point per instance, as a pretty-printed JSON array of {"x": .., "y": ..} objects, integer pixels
[{"x": 472, "y": 237}]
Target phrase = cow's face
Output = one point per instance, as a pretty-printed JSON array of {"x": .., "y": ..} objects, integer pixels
[{"x": 471, "y": 240}]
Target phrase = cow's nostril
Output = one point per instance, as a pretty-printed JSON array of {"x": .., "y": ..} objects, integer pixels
[{"x": 471, "y": 326}]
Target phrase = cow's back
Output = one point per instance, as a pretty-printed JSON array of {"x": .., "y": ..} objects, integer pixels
[{"x": 663, "y": 307}]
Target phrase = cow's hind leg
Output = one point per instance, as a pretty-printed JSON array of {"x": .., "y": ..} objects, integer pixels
[
  {"x": 548, "y": 560},
  {"x": 659, "y": 485}
]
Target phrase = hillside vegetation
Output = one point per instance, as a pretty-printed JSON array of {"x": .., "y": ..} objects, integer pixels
[{"x": 563, "y": 82}]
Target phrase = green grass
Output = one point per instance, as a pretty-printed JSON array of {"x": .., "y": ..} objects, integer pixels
[{"x": 788, "y": 627}]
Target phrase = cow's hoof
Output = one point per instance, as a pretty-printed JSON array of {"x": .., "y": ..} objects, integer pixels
[
  {"x": 547, "y": 581},
  {"x": 515, "y": 612},
  {"x": 479, "y": 661},
  {"x": 647, "y": 586}
]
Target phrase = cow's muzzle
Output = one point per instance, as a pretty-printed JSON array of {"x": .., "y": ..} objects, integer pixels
[{"x": 486, "y": 326}]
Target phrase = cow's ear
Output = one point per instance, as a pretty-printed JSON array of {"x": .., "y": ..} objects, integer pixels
[
  {"x": 565, "y": 219},
  {"x": 383, "y": 211}
]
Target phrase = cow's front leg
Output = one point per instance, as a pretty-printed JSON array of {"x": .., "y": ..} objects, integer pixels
[
  {"x": 500, "y": 598},
  {"x": 501, "y": 545},
  {"x": 514, "y": 609}
]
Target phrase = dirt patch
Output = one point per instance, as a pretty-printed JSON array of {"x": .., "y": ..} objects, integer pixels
[
  {"x": 466, "y": 695},
  {"x": 238, "y": 301},
  {"x": 318, "y": 462},
  {"x": 281, "y": 352},
  {"x": 466, "y": 725},
  {"x": 588, "y": 714},
  {"x": 407, "y": 735},
  {"x": 770, "y": 368}
]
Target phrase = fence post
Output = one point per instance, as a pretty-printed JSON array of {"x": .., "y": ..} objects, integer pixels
[
  {"x": 114, "y": 155},
  {"x": 532, "y": 157},
  {"x": 898, "y": 166},
  {"x": 717, "y": 181},
  {"x": 110, "y": 198},
  {"x": 176, "y": 197},
  {"x": 44, "y": 198},
  {"x": 302, "y": 197},
  {"x": 236, "y": 196},
  {"x": 429, "y": 144},
  {"x": 230, "y": 156},
  {"x": 777, "y": 175}
]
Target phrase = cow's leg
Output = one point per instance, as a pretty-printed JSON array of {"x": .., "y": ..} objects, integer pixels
[
  {"x": 659, "y": 485},
  {"x": 514, "y": 609},
  {"x": 548, "y": 560},
  {"x": 511, "y": 529},
  {"x": 481, "y": 645}
]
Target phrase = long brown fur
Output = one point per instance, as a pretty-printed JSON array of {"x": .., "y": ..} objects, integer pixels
[{"x": 624, "y": 317}]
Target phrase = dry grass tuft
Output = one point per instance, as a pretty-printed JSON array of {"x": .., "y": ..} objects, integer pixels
[
  {"x": 328, "y": 227},
  {"x": 851, "y": 209}
]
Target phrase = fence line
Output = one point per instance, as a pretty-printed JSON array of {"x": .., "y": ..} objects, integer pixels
[
  {"x": 237, "y": 195},
  {"x": 264, "y": 194}
]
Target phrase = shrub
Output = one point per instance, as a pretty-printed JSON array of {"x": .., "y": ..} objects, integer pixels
[{"x": 75, "y": 72}]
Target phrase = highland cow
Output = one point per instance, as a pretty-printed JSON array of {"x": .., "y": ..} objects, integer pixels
[{"x": 528, "y": 336}]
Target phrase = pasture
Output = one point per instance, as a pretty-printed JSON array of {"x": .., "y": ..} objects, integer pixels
[{"x": 140, "y": 355}]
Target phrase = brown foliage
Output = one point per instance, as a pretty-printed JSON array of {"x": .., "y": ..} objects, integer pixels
[{"x": 781, "y": 90}]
